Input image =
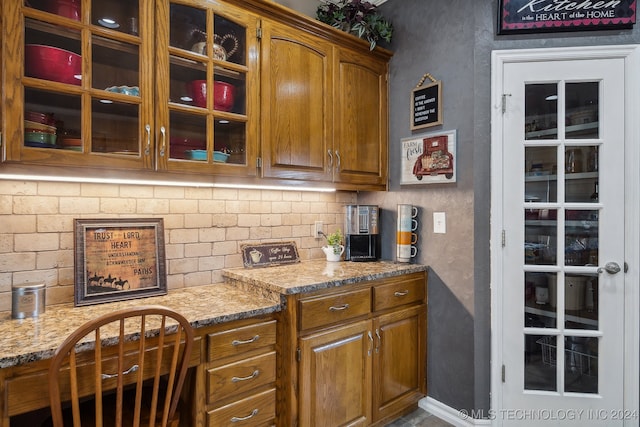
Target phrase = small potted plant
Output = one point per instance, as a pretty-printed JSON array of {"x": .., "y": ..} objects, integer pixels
[
  {"x": 358, "y": 17},
  {"x": 334, "y": 248}
]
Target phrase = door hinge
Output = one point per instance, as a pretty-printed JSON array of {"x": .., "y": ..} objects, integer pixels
[
  {"x": 259, "y": 33},
  {"x": 504, "y": 238},
  {"x": 298, "y": 354},
  {"x": 504, "y": 102},
  {"x": 503, "y": 373},
  {"x": 258, "y": 162}
]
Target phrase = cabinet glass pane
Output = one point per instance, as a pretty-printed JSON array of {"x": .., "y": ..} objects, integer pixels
[
  {"x": 230, "y": 137},
  {"x": 118, "y": 15},
  {"x": 52, "y": 53},
  {"x": 582, "y": 115},
  {"x": 52, "y": 120},
  {"x": 581, "y": 364},
  {"x": 115, "y": 127},
  {"x": 229, "y": 41},
  {"x": 115, "y": 66},
  {"x": 188, "y": 83},
  {"x": 188, "y": 26},
  {"x": 540, "y": 362},
  {"x": 581, "y": 237},
  {"x": 188, "y": 138},
  {"x": 229, "y": 92},
  {"x": 68, "y": 9},
  {"x": 541, "y": 111}
]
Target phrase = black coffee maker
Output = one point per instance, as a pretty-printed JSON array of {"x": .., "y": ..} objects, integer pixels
[{"x": 362, "y": 239}]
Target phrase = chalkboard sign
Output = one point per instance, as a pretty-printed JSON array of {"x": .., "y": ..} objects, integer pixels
[
  {"x": 426, "y": 106},
  {"x": 267, "y": 254}
]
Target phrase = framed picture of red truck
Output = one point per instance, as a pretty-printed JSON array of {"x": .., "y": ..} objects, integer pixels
[{"x": 429, "y": 158}]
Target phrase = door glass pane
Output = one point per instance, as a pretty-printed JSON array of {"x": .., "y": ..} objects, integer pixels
[
  {"x": 114, "y": 127},
  {"x": 581, "y": 364},
  {"x": 116, "y": 15},
  {"x": 541, "y": 111},
  {"x": 540, "y": 303},
  {"x": 582, "y": 115},
  {"x": 540, "y": 238},
  {"x": 70, "y": 9},
  {"x": 581, "y": 301},
  {"x": 541, "y": 164},
  {"x": 581, "y": 237},
  {"x": 540, "y": 363}
]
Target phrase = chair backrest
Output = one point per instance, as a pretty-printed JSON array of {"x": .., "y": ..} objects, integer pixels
[{"x": 126, "y": 347}]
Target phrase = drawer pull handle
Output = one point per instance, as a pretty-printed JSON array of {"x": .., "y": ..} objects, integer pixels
[
  {"x": 128, "y": 371},
  {"x": 342, "y": 307},
  {"x": 251, "y": 415},
  {"x": 249, "y": 341},
  {"x": 401, "y": 293},
  {"x": 250, "y": 377}
]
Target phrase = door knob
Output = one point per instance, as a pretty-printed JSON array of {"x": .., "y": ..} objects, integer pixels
[{"x": 610, "y": 267}]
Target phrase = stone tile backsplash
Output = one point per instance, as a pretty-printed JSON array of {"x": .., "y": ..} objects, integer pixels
[{"x": 204, "y": 227}]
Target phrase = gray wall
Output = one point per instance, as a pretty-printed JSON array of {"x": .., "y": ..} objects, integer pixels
[{"x": 453, "y": 40}]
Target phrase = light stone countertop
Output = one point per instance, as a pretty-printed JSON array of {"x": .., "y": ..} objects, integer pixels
[
  {"x": 27, "y": 340},
  {"x": 249, "y": 292},
  {"x": 309, "y": 276}
]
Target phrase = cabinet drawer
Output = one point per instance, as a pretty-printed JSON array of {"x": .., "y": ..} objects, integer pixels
[
  {"x": 240, "y": 340},
  {"x": 401, "y": 292},
  {"x": 256, "y": 410},
  {"x": 241, "y": 376},
  {"x": 330, "y": 309}
]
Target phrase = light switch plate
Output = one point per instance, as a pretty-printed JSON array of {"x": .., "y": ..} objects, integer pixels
[{"x": 439, "y": 223}]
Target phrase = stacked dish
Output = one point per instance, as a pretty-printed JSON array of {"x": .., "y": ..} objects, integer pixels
[{"x": 39, "y": 133}]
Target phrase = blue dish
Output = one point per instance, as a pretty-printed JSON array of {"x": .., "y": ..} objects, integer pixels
[{"x": 196, "y": 154}]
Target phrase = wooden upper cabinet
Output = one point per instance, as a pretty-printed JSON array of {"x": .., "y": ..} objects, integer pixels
[
  {"x": 297, "y": 104},
  {"x": 324, "y": 111},
  {"x": 361, "y": 120}
]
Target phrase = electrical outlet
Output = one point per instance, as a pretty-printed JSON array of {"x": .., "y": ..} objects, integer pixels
[{"x": 318, "y": 229}]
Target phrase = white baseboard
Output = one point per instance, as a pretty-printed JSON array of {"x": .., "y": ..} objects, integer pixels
[{"x": 452, "y": 416}]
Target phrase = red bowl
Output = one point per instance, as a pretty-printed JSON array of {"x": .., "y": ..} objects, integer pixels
[
  {"x": 67, "y": 8},
  {"x": 223, "y": 94},
  {"x": 52, "y": 63}
]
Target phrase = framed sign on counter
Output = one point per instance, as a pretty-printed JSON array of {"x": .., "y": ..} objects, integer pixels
[
  {"x": 118, "y": 259},
  {"x": 426, "y": 105}
]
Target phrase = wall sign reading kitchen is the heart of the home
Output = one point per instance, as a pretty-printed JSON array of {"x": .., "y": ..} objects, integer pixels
[{"x": 529, "y": 16}]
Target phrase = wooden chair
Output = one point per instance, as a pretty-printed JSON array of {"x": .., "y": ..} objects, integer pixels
[{"x": 142, "y": 352}]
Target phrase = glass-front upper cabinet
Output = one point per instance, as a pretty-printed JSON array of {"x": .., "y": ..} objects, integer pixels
[
  {"x": 132, "y": 84},
  {"x": 82, "y": 88},
  {"x": 206, "y": 88}
]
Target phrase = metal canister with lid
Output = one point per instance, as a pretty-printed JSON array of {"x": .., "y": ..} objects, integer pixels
[{"x": 27, "y": 300}]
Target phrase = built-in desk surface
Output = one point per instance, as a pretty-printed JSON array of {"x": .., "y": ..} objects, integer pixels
[{"x": 32, "y": 339}]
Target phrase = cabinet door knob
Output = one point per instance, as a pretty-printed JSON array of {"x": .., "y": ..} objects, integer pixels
[{"x": 610, "y": 267}]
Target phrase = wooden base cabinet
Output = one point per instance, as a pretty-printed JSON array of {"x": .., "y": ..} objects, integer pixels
[{"x": 357, "y": 353}]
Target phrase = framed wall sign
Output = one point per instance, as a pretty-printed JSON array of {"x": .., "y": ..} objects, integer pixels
[
  {"x": 118, "y": 259},
  {"x": 429, "y": 158},
  {"x": 528, "y": 16},
  {"x": 426, "y": 105}
]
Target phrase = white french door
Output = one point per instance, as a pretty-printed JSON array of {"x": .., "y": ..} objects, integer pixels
[{"x": 560, "y": 210}]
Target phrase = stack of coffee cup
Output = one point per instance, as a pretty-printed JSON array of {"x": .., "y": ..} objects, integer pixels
[{"x": 406, "y": 235}]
